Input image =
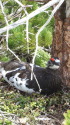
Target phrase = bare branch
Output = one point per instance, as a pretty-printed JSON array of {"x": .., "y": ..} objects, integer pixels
[
  {"x": 47, "y": 50},
  {"x": 17, "y": 1},
  {"x": 7, "y": 35},
  {"x": 27, "y": 36},
  {"x": 37, "y": 82},
  {"x": 34, "y": 13},
  {"x": 11, "y": 117}
]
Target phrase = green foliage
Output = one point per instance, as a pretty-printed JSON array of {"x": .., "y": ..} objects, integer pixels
[
  {"x": 11, "y": 6},
  {"x": 17, "y": 37},
  {"x": 45, "y": 38},
  {"x": 42, "y": 58},
  {"x": 4, "y": 58},
  {"x": 67, "y": 118},
  {"x": 31, "y": 106},
  {"x": 2, "y": 21},
  {"x": 5, "y": 122},
  {"x": 34, "y": 7},
  {"x": 23, "y": 106}
]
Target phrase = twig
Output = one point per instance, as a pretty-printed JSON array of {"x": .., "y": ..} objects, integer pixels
[
  {"x": 24, "y": 6},
  {"x": 7, "y": 35},
  {"x": 12, "y": 117},
  {"x": 49, "y": 117},
  {"x": 47, "y": 50},
  {"x": 37, "y": 82},
  {"x": 31, "y": 15},
  {"x": 17, "y": 1},
  {"x": 27, "y": 35},
  {"x": 54, "y": 118},
  {"x": 27, "y": 22}
]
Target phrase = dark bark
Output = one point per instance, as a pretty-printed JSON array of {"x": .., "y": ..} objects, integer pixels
[
  {"x": 61, "y": 42},
  {"x": 66, "y": 51}
]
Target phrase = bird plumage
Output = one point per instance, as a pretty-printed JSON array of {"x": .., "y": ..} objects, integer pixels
[{"x": 19, "y": 75}]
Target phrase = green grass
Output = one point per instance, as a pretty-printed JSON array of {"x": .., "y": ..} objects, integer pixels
[{"x": 32, "y": 106}]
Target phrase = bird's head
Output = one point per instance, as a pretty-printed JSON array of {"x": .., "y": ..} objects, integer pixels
[{"x": 53, "y": 63}]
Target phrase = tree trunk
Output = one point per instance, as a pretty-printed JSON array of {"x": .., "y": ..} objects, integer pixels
[{"x": 61, "y": 40}]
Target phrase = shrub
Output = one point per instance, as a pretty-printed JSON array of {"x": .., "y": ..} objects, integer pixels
[{"x": 67, "y": 118}]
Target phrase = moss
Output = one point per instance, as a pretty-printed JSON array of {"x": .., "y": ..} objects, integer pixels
[{"x": 32, "y": 106}]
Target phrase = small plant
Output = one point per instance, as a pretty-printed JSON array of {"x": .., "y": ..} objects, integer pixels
[
  {"x": 4, "y": 58},
  {"x": 5, "y": 122},
  {"x": 42, "y": 58},
  {"x": 67, "y": 118}
]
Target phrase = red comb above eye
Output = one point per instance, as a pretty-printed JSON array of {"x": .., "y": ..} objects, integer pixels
[{"x": 52, "y": 59}]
